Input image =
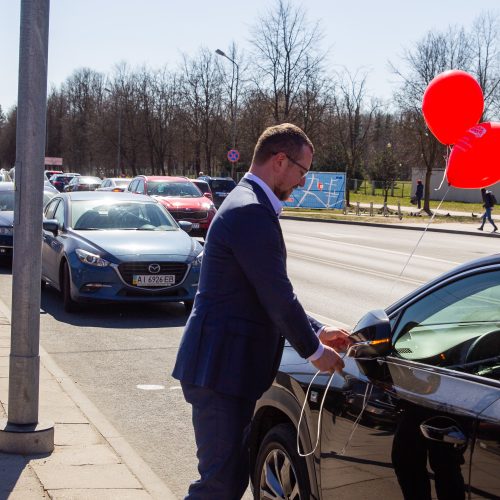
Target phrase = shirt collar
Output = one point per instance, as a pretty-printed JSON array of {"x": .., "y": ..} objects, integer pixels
[{"x": 275, "y": 202}]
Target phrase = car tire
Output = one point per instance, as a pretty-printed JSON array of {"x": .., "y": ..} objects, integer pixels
[
  {"x": 188, "y": 305},
  {"x": 69, "y": 304},
  {"x": 279, "y": 470}
]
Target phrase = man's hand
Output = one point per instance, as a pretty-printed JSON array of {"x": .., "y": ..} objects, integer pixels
[
  {"x": 329, "y": 361},
  {"x": 337, "y": 338}
]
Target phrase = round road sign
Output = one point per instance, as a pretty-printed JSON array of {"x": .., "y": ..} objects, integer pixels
[{"x": 233, "y": 155}]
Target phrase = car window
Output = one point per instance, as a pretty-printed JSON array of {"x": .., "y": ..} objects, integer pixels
[
  {"x": 49, "y": 209},
  {"x": 140, "y": 186},
  {"x": 144, "y": 216},
  {"x": 6, "y": 201},
  {"x": 105, "y": 183},
  {"x": 132, "y": 186},
  {"x": 176, "y": 189},
  {"x": 59, "y": 213},
  {"x": 444, "y": 326},
  {"x": 224, "y": 185}
]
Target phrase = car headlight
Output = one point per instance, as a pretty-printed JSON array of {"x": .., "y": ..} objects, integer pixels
[
  {"x": 208, "y": 206},
  {"x": 91, "y": 258},
  {"x": 196, "y": 262},
  {"x": 6, "y": 231}
]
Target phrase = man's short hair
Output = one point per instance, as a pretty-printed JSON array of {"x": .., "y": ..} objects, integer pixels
[{"x": 286, "y": 138}]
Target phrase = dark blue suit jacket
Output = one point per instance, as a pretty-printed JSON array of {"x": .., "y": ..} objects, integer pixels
[{"x": 245, "y": 304}]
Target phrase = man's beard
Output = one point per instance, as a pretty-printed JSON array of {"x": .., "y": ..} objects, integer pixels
[{"x": 283, "y": 195}]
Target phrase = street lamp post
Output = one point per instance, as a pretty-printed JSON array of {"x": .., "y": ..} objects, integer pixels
[
  {"x": 236, "y": 69},
  {"x": 119, "y": 138}
]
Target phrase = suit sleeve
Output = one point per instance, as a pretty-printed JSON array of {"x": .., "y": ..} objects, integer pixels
[{"x": 256, "y": 242}]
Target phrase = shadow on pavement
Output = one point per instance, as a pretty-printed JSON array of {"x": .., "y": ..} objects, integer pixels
[
  {"x": 12, "y": 468},
  {"x": 128, "y": 316}
]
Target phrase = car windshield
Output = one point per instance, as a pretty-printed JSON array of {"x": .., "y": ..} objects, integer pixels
[
  {"x": 177, "y": 189},
  {"x": 6, "y": 201},
  {"x": 224, "y": 185},
  {"x": 112, "y": 215}
]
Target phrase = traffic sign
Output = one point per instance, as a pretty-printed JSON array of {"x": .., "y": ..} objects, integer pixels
[{"x": 233, "y": 155}]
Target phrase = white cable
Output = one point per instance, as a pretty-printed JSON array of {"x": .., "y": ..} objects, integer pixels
[{"x": 319, "y": 415}]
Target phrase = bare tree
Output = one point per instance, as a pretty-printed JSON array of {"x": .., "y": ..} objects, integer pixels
[
  {"x": 352, "y": 118},
  {"x": 285, "y": 53},
  {"x": 202, "y": 93},
  {"x": 485, "y": 52},
  {"x": 435, "y": 53}
]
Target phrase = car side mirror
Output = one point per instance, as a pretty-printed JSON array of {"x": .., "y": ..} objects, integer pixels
[
  {"x": 185, "y": 225},
  {"x": 209, "y": 196},
  {"x": 51, "y": 225},
  {"x": 371, "y": 336}
]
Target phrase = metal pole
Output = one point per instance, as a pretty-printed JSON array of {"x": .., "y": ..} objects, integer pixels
[
  {"x": 118, "y": 154},
  {"x": 23, "y": 433}
]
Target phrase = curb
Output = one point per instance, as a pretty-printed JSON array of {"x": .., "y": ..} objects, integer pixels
[
  {"x": 139, "y": 468},
  {"x": 392, "y": 226}
]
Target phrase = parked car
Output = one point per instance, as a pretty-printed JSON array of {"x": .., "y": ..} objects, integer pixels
[
  {"x": 180, "y": 197},
  {"x": 83, "y": 183},
  {"x": 50, "y": 173},
  {"x": 204, "y": 188},
  {"x": 60, "y": 181},
  {"x": 117, "y": 184},
  {"x": 422, "y": 385},
  {"x": 7, "y": 201},
  {"x": 117, "y": 247},
  {"x": 220, "y": 187}
]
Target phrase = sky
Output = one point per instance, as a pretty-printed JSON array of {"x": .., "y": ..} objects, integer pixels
[{"x": 358, "y": 34}]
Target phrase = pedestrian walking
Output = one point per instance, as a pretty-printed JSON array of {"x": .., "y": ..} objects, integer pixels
[
  {"x": 489, "y": 201},
  {"x": 419, "y": 193},
  {"x": 244, "y": 309}
]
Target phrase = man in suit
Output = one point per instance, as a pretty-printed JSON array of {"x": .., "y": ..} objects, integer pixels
[{"x": 244, "y": 309}]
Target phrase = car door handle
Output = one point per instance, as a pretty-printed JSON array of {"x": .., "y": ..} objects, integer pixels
[{"x": 451, "y": 435}]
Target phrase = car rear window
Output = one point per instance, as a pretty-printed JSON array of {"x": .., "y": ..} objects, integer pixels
[
  {"x": 6, "y": 201},
  {"x": 222, "y": 185}
]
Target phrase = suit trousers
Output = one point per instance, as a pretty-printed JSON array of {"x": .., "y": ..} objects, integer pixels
[{"x": 221, "y": 427}]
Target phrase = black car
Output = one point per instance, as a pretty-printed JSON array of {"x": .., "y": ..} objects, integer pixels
[
  {"x": 220, "y": 187},
  {"x": 415, "y": 413},
  {"x": 60, "y": 181}
]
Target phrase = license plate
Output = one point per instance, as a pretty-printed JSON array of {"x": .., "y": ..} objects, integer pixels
[
  {"x": 153, "y": 279},
  {"x": 222, "y": 195},
  {"x": 195, "y": 225}
]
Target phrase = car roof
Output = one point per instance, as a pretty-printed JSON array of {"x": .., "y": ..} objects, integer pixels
[
  {"x": 117, "y": 179},
  {"x": 167, "y": 178},
  {"x": 203, "y": 177},
  {"x": 6, "y": 186},
  {"x": 96, "y": 195}
]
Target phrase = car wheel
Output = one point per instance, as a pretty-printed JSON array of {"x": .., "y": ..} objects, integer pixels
[
  {"x": 279, "y": 471},
  {"x": 69, "y": 304},
  {"x": 188, "y": 304}
]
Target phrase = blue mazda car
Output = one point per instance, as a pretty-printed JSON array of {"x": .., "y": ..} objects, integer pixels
[{"x": 117, "y": 247}]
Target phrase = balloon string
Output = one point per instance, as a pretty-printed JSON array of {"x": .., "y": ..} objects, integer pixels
[
  {"x": 447, "y": 157},
  {"x": 423, "y": 233}
]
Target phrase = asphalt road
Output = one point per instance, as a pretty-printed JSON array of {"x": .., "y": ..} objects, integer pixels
[{"x": 339, "y": 272}]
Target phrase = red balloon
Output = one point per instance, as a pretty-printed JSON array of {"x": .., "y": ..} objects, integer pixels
[
  {"x": 452, "y": 103},
  {"x": 475, "y": 159}
]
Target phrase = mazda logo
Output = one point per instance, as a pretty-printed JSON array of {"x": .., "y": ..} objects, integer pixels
[{"x": 154, "y": 268}]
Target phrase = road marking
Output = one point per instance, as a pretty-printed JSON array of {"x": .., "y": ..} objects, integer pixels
[
  {"x": 175, "y": 388},
  {"x": 150, "y": 387},
  {"x": 363, "y": 270},
  {"x": 394, "y": 252},
  {"x": 329, "y": 321}
]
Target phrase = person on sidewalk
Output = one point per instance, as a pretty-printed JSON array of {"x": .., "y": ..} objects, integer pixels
[
  {"x": 488, "y": 204},
  {"x": 244, "y": 309},
  {"x": 419, "y": 193}
]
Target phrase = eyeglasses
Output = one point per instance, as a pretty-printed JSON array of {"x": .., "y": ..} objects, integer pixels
[{"x": 303, "y": 169}]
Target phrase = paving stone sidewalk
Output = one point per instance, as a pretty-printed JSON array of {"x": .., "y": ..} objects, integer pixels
[{"x": 88, "y": 460}]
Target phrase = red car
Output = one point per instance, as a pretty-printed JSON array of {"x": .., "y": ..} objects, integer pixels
[{"x": 180, "y": 197}]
